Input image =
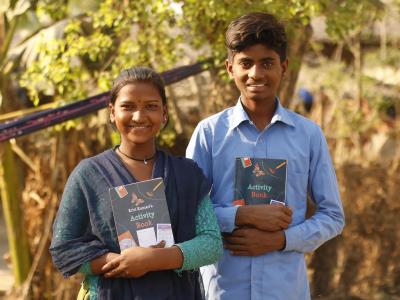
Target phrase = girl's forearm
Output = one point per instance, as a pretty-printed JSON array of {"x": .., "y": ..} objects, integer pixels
[{"x": 165, "y": 258}]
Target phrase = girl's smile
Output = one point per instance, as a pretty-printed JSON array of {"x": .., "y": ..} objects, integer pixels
[{"x": 138, "y": 113}]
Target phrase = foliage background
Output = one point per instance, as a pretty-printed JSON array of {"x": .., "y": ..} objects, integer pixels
[{"x": 56, "y": 51}]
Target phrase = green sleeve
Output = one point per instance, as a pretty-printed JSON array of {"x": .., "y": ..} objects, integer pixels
[
  {"x": 206, "y": 247},
  {"x": 86, "y": 268}
]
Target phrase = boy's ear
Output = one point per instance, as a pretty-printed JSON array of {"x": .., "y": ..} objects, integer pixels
[
  {"x": 284, "y": 66},
  {"x": 228, "y": 65}
]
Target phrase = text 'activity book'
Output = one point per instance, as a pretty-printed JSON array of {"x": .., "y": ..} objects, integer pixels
[
  {"x": 141, "y": 214},
  {"x": 260, "y": 181}
]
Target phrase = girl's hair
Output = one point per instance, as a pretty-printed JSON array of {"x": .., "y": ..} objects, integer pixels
[
  {"x": 256, "y": 28},
  {"x": 134, "y": 75}
]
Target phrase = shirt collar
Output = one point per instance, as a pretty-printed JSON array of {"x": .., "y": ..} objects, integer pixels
[{"x": 240, "y": 115}]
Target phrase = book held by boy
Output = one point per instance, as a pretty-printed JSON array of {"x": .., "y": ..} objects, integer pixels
[
  {"x": 260, "y": 181},
  {"x": 141, "y": 214}
]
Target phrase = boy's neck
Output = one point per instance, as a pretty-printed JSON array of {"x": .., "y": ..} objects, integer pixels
[{"x": 260, "y": 112}]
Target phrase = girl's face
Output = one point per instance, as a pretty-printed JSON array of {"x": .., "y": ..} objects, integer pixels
[{"x": 138, "y": 113}]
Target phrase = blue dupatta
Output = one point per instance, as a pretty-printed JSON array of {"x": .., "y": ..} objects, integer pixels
[{"x": 91, "y": 233}]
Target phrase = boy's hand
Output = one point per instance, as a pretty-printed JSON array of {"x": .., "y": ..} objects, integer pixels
[
  {"x": 264, "y": 216},
  {"x": 254, "y": 242},
  {"x": 133, "y": 262}
]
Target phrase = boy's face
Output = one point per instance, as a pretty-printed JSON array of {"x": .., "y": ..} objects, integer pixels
[{"x": 257, "y": 71}]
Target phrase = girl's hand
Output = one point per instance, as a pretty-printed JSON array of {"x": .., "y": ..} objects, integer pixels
[
  {"x": 133, "y": 262},
  {"x": 97, "y": 264},
  {"x": 137, "y": 261}
]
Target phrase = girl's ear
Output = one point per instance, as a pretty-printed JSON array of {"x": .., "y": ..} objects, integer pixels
[
  {"x": 165, "y": 116},
  {"x": 112, "y": 112}
]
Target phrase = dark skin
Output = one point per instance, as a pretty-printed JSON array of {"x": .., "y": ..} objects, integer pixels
[
  {"x": 257, "y": 72},
  {"x": 260, "y": 229},
  {"x": 138, "y": 114}
]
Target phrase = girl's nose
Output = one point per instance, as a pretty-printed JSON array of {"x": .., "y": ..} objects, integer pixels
[{"x": 138, "y": 115}]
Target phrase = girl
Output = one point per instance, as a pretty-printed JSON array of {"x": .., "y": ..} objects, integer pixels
[{"x": 84, "y": 235}]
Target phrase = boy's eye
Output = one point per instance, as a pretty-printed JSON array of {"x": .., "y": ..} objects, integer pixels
[
  {"x": 245, "y": 64},
  {"x": 268, "y": 65}
]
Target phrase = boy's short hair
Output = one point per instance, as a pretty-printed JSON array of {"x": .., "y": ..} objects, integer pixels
[{"x": 256, "y": 28}]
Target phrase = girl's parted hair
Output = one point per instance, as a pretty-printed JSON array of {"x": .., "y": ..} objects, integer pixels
[{"x": 134, "y": 75}]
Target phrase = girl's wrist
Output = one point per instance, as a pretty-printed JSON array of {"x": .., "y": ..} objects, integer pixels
[{"x": 164, "y": 258}]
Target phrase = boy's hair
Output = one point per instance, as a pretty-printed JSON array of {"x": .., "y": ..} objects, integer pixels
[
  {"x": 256, "y": 28},
  {"x": 134, "y": 75}
]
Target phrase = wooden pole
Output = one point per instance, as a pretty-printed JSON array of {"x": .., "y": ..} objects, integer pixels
[{"x": 11, "y": 189}]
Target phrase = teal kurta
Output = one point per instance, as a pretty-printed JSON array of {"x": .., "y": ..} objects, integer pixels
[{"x": 85, "y": 221}]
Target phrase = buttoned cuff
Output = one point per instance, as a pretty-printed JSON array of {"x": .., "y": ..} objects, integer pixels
[
  {"x": 293, "y": 238},
  {"x": 226, "y": 218}
]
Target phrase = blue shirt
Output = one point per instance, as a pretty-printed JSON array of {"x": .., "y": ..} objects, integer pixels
[{"x": 214, "y": 145}]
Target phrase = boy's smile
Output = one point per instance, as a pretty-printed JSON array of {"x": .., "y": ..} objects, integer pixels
[{"x": 257, "y": 71}]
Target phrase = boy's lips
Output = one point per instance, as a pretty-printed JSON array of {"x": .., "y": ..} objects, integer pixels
[{"x": 255, "y": 87}]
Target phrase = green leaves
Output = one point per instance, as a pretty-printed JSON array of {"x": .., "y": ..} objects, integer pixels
[{"x": 97, "y": 46}]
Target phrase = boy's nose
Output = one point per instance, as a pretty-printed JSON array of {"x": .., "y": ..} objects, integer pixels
[{"x": 255, "y": 72}]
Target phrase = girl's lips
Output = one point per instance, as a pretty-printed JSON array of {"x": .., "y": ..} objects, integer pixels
[{"x": 140, "y": 127}]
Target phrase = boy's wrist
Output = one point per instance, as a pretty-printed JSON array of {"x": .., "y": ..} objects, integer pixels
[{"x": 240, "y": 218}]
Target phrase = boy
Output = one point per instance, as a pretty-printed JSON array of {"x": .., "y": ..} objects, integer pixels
[{"x": 264, "y": 244}]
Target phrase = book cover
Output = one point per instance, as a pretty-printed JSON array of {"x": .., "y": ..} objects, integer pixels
[
  {"x": 141, "y": 214},
  {"x": 260, "y": 181}
]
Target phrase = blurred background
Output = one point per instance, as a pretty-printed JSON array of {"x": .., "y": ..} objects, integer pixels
[{"x": 344, "y": 59}]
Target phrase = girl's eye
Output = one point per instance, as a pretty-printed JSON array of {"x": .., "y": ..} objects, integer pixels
[{"x": 128, "y": 107}]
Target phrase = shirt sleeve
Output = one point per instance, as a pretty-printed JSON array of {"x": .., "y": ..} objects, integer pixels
[
  {"x": 200, "y": 150},
  {"x": 328, "y": 220},
  {"x": 206, "y": 247}
]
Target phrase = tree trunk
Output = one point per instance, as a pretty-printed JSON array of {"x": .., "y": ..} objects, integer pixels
[
  {"x": 11, "y": 198},
  {"x": 298, "y": 39}
]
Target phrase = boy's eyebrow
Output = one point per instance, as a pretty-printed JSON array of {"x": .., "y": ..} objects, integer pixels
[
  {"x": 245, "y": 59},
  {"x": 249, "y": 59},
  {"x": 127, "y": 100}
]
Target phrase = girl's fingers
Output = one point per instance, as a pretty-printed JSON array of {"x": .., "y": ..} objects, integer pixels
[
  {"x": 114, "y": 273},
  {"x": 110, "y": 265},
  {"x": 161, "y": 244}
]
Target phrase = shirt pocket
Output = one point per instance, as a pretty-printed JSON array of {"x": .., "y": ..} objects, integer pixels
[{"x": 296, "y": 194}]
